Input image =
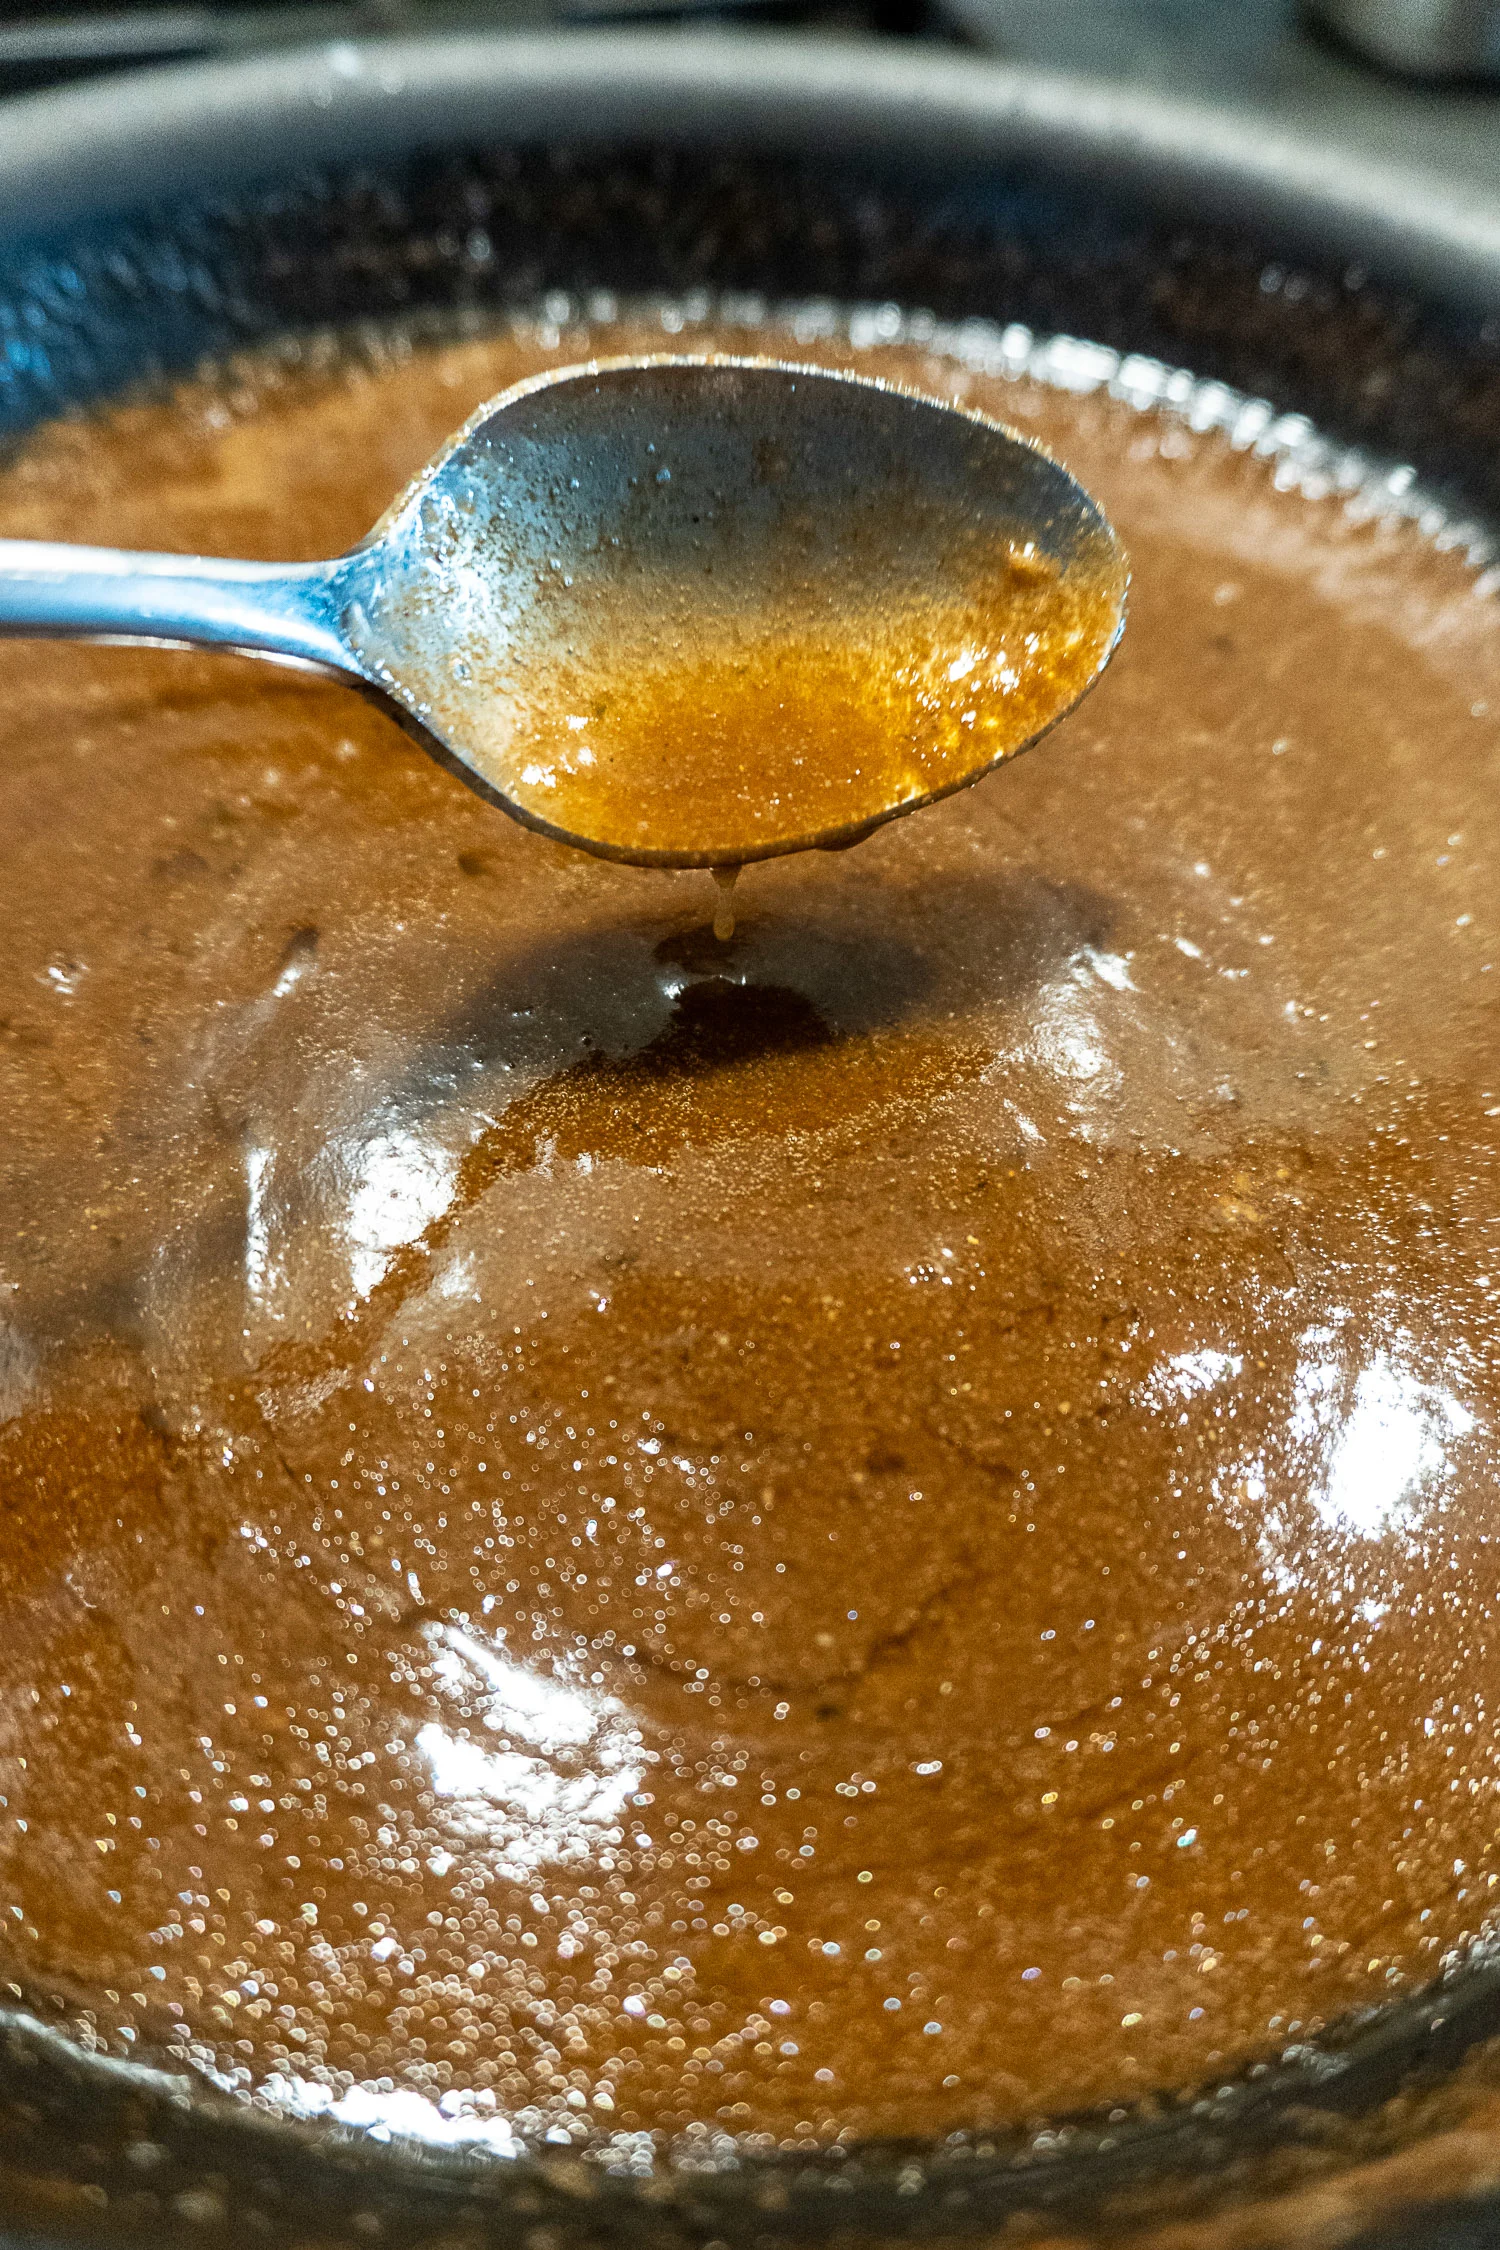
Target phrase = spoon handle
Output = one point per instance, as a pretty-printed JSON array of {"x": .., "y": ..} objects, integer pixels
[{"x": 288, "y": 611}]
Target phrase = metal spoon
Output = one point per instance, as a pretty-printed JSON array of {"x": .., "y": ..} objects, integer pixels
[{"x": 610, "y": 523}]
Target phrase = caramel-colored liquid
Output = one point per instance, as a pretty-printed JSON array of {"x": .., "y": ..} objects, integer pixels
[
  {"x": 874, "y": 1527},
  {"x": 768, "y": 736}
]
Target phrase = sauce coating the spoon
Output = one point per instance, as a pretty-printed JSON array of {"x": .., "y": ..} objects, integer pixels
[{"x": 763, "y": 733}]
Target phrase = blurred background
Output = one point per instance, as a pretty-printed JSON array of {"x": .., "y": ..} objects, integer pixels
[{"x": 1420, "y": 77}]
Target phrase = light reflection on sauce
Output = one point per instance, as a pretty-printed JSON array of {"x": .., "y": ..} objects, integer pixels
[{"x": 869, "y": 1524}]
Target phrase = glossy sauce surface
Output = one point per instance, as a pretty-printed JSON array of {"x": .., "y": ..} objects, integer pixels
[
  {"x": 760, "y": 742},
  {"x": 871, "y": 1528}
]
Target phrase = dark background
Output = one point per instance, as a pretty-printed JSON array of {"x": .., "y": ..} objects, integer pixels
[{"x": 1281, "y": 57}]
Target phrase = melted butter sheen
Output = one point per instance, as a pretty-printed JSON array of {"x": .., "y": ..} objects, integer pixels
[{"x": 870, "y": 1527}]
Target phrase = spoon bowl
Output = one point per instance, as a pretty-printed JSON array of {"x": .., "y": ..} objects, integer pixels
[{"x": 679, "y": 611}]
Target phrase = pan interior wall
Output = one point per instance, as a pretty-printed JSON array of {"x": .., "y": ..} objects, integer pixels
[{"x": 466, "y": 236}]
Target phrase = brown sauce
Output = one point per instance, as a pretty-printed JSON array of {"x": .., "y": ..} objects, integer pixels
[{"x": 871, "y": 1526}]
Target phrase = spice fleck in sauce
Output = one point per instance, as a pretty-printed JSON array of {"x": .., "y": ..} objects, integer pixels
[{"x": 872, "y": 1524}]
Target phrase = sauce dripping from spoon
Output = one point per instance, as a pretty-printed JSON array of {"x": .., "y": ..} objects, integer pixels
[{"x": 725, "y": 878}]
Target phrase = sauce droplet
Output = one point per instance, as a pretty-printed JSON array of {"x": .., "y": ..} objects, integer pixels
[{"x": 725, "y": 878}]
